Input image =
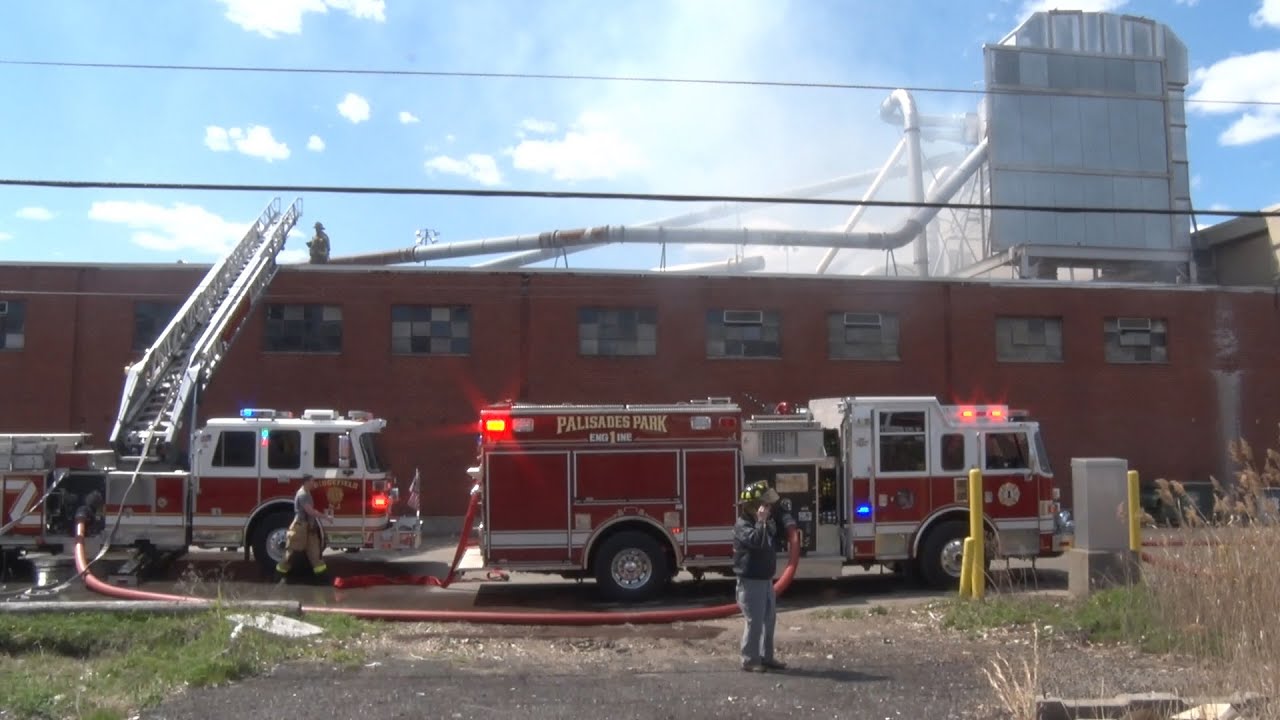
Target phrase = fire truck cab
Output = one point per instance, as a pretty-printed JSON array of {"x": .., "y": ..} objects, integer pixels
[
  {"x": 633, "y": 494},
  {"x": 884, "y": 480},
  {"x": 236, "y": 491}
]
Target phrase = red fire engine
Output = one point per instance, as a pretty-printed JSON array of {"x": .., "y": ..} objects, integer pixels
[
  {"x": 632, "y": 494},
  {"x": 233, "y": 486}
]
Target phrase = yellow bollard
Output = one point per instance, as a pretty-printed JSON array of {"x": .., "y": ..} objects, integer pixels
[
  {"x": 966, "y": 569},
  {"x": 1135, "y": 514},
  {"x": 978, "y": 575}
]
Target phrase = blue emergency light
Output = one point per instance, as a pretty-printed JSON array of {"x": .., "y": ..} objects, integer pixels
[
  {"x": 863, "y": 510},
  {"x": 252, "y": 413}
]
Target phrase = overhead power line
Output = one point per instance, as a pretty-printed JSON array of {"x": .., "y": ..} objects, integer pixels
[
  {"x": 555, "y": 76},
  {"x": 580, "y": 195}
]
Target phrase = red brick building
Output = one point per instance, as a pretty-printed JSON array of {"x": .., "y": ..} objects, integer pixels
[{"x": 1162, "y": 376}]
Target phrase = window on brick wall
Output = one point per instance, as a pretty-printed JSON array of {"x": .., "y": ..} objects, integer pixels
[
  {"x": 430, "y": 329},
  {"x": 743, "y": 334},
  {"x": 311, "y": 327},
  {"x": 1136, "y": 340},
  {"x": 614, "y": 332},
  {"x": 1029, "y": 339},
  {"x": 150, "y": 318},
  {"x": 13, "y": 320},
  {"x": 862, "y": 336}
]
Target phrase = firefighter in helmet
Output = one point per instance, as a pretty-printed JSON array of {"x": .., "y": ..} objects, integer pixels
[
  {"x": 304, "y": 532},
  {"x": 756, "y": 541},
  {"x": 319, "y": 246}
]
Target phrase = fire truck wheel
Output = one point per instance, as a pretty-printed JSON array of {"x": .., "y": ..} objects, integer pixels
[
  {"x": 269, "y": 539},
  {"x": 631, "y": 567},
  {"x": 941, "y": 554}
]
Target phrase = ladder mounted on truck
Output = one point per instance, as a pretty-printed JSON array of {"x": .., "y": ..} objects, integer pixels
[{"x": 178, "y": 365}]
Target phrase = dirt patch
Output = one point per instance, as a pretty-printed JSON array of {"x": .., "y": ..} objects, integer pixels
[{"x": 907, "y": 642}]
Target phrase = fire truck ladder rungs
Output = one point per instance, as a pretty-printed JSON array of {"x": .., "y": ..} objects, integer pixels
[{"x": 180, "y": 362}]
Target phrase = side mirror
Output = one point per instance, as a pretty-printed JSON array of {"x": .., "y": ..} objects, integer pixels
[{"x": 344, "y": 451}]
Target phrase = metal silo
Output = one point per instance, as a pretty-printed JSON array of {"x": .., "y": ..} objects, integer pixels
[{"x": 1086, "y": 109}]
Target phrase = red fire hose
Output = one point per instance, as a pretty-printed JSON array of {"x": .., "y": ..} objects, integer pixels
[{"x": 644, "y": 617}]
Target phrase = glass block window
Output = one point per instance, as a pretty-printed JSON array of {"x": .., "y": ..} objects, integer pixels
[
  {"x": 743, "y": 334},
  {"x": 1029, "y": 339},
  {"x": 862, "y": 336},
  {"x": 13, "y": 316},
  {"x": 303, "y": 328},
  {"x": 430, "y": 329},
  {"x": 1136, "y": 340},
  {"x": 150, "y": 318},
  {"x": 617, "y": 332}
]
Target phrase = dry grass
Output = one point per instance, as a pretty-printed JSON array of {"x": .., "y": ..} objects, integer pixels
[
  {"x": 1211, "y": 597},
  {"x": 1017, "y": 692},
  {"x": 1219, "y": 591}
]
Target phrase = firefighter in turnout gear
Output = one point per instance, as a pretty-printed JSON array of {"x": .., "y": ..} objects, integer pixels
[
  {"x": 304, "y": 531},
  {"x": 756, "y": 543},
  {"x": 319, "y": 246}
]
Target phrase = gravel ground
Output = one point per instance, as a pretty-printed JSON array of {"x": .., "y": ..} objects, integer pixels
[{"x": 901, "y": 663}]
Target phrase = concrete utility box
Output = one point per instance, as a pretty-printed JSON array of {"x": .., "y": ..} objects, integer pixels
[{"x": 1101, "y": 557}]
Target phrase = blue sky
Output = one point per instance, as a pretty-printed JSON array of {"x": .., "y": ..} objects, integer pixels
[{"x": 524, "y": 134}]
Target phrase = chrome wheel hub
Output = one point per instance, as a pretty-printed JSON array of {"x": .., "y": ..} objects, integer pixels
[{"x": 631, "y": 568}]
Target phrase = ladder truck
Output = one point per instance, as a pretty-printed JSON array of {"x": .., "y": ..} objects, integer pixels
[{"x": 232, "y": 485}]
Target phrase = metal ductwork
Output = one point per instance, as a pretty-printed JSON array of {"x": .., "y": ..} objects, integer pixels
[
  {"x": 724, "y": 210},
  {"x": 901, "y": 107},
  {"x": 556, "y": 240}
]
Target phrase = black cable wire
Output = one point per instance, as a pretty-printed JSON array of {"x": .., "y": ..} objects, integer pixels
[
  {"x": 555, "y": 76},
  {"x": 580, "y": 195}
]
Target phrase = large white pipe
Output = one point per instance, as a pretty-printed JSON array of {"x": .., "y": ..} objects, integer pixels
[
  {"x": 716, "y": 212},
  {"x": 554, "y": 240},
  {"x": 900, "y": 104}
]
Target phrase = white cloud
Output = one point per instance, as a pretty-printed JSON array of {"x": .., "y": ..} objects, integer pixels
[
  {"x": 407, "y": 117},
  {"x": 5, "y": 236},
  {"x": 538, "y": 126},
  {"x": 1245, "y": 78},
  {"x": 593, "y": 148},
  {"x": 174, "y": 228},
  {"x": 34, "y": 213},
  {"x": 354, "y": 108},
  {"x": 257, "y": 142},
  {"x": 1268, "y": 14},
  {"x": 476, "y": 166},
  {"x": 271, "y": 18},
  {"x": 315, "y": 143}
]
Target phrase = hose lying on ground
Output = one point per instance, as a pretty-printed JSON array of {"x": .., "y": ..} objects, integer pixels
[{"x": 585, "y": 618}]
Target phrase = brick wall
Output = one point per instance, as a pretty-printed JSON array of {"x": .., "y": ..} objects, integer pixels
[{"x": 1167, "y": 419}]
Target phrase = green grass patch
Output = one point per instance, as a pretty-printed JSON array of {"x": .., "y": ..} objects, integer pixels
[
  {"x": 107, "y": 665},
  {"x": 1117, "y": 615}
]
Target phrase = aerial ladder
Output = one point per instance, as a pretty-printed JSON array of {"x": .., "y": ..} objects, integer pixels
[{"x": 164, "y": 384}]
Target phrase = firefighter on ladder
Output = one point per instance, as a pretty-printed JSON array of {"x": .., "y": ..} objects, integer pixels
[
  {"x": 755, "y": 559},
  {"x": 304, "y": 532}
]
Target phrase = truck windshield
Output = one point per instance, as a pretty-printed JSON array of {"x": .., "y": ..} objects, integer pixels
[
  {"x": 370, "y": 447},
  {"x": 1042, "y": 455}
]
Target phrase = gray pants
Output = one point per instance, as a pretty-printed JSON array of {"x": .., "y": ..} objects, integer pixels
[{"x": 757, "y": 602}]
